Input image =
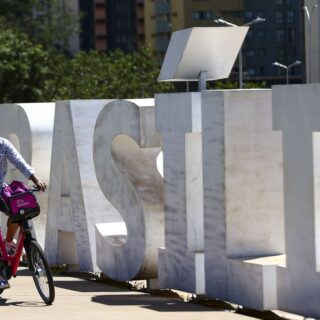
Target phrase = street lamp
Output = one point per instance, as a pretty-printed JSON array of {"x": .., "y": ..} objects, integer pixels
[
  {"x": 309, "y": 16},
  {"x": 227, "y": 23},
  {"x": 280, "y": 65}
]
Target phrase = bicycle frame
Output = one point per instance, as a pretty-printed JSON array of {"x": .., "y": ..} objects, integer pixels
[{"x": 13, "y": 261}]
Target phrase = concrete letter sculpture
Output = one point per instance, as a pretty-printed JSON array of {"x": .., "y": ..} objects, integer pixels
[
  {"x": 125, "y": 151},
  {"x": 181, "y": 262},
  {"x": 242, "y": 197},
  {"x": 76, "y": 202},
  {"x": 297, "y": 114},
  {"x": 29, "y": 127}
]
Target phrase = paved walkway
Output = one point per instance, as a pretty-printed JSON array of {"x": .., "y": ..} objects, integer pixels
[{"x": 82, "y": 299}]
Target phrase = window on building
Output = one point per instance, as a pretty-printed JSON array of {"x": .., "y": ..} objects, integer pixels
[
  {"x": 163, "y": 17},
  {"x": 250, "y": 34},
  {"x": 279, "y": 17},
  {"x": 251, "y": 72},
  {"x": 261, "y": 52},
  {"x": 290, "y": 16},
  {"x": 207, "y": 15},
  {"x": 250, "y": 52},
  {"x": 260, "y": 14},
  {"x": 249, "y": 14},
  {"x": 202, "y": 15},
  {"x": 196, "y": 15},
  {"x": 261, "y": 33},
  {"x": 292, "y": 54},
  {"x": 291, "y": 35},
  {"x": 262, "y": 71},
  {"x": 280, "y": 35},
  {"x": 280, "y": 54},
  {"x": 278, "y": 2}
]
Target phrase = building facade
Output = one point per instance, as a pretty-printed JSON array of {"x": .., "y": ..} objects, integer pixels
[
  {"x": 132, "y": 24},
  {"x": 162, "y": 17},
  {"x": 112, "y": 24},
  {"x": 280, "y": 38}
]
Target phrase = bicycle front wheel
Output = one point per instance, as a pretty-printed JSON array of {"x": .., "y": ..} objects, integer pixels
[{"x": 40, "y": 270}]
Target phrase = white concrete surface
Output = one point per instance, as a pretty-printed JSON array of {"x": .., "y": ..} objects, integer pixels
[
  {"x": 243, "y": 212},
  {"x": 241, "y": 190},
  {"x": 178, "y": 118},
  {"x": 76, "y": 202},
  {"x": 210, "y": 49},
  {"x": 126, "y": 147},
  {"x": 296, "y": 114}
]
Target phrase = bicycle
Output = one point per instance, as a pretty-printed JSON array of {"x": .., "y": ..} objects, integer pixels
[{"x": 37, "y": 261}]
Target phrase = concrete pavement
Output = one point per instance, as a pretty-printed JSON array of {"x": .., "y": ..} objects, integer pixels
[{"x": 83, "y": 299}]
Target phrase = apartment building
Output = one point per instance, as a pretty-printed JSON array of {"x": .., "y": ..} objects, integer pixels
[
  {"x": 280, "y": 38},
  {"x": 162, "y": 17},
  {"x": 131, "y": 24},
  {"x": 112, "y": 24}
]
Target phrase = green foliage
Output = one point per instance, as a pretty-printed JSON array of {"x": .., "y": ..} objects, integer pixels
[
  {"x": 115, "y": 75},
  {"x": 228, "y": 84},
  {"x": 254, "y": 85},
  {"x": 23, "y": 68},
  {"x": 29, "y": 73}
]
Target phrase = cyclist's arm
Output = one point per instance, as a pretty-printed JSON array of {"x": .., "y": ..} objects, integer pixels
[
  {"x": 41, "y": 185},
  {"x": 17, "y": 160}
]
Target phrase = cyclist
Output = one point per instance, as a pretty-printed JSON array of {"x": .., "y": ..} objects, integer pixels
[{"x": 9, "y": 152}]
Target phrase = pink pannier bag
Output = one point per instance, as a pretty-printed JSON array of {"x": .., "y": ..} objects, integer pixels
[{"x": 20, "y": 201}]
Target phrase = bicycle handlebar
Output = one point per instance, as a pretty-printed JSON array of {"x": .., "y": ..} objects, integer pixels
[{"x": 34, "y": 189}]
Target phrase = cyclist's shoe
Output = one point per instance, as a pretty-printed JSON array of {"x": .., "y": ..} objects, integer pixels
[
  {"x": 10, "y": 247},
  {"x": 4, "y": 284}
]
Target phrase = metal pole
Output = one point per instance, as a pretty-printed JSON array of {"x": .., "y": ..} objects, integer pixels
[
  {"x": 287, "y": 75},
  {"x": 309, "y": 65},
  {"x": 202, "y": 85},
  {"x": 240, "y": 70}
]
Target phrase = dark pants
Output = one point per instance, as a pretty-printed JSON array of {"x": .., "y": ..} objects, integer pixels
[{"x": 3, "y": 207}]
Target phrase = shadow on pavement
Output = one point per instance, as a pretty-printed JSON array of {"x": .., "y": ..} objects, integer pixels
[
  {"x": 264, "y": 315},
  {"x": 23, "y": 272},
  {"x": 150, "y": 302},
  {"x": 161, "y": 304},
  {"x": 84, "y": 286},
  {"x": 25, "y": 304}
]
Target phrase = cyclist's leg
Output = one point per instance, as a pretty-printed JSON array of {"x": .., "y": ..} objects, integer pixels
[
  {"x": 10, "y": 243},
  {"x": 2, "y": 205},
  {"x": 12, "y": 228},
  {"x": 4, "y": 284}
]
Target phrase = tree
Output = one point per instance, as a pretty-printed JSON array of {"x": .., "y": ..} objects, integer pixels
[
  {"x": 97, "y": 75},
  {"x": 24, "y": 68},
  {"x": 228, "y": 84}
]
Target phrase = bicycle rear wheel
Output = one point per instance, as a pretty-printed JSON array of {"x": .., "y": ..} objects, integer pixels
[{"x": 40, "y": 271}]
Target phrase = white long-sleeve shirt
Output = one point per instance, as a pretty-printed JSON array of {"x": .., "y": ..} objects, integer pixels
[{"x": 9, "y": 152}]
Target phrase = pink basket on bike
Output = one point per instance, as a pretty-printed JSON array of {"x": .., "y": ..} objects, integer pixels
[{"x": 20, "y": 201}]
